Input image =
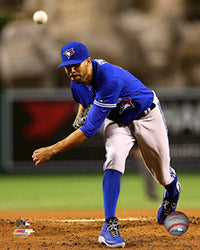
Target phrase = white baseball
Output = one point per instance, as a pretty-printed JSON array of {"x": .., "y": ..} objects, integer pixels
[
  {"x": 40, "y": 17},
  {"x": 177, "y": 223}
]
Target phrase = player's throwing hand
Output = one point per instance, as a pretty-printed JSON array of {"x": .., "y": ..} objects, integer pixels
[{"x": 41, "y": 155}]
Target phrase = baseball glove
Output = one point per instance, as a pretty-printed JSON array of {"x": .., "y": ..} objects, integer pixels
[{"x": 80, "y": 121}]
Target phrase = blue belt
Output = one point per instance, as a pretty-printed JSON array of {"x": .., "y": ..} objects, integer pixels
[{"x": 146, "y": 112}]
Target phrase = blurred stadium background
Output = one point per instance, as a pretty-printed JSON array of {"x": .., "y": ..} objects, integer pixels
[{"x": 158, "y": 41}]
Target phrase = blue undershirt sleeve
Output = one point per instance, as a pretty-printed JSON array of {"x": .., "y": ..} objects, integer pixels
[{"x": 95, "y": 119}]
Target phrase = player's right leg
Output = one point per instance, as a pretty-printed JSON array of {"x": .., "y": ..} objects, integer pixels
[
  {"x": 152, "y": 137},
  {"x": 169, "y": 203}
]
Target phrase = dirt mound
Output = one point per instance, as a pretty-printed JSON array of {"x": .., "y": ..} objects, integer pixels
[{"x": 77, "y": 230}]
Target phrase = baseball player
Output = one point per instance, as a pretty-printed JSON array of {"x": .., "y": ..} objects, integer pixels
[
  {"x": 131, "y": 112},
  {"x": 83, "y": 95}
]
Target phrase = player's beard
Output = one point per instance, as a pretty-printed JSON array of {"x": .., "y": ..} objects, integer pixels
[
  {"x": 79, "y": 78},
  {"x": 81, "y": 75},
  {"x": 76, "y": 78}
]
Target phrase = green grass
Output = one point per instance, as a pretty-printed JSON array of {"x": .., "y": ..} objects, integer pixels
[{"x": 36, "y": 192}]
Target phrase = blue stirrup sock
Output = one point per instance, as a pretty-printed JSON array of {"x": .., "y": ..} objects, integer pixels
[
  {"x": 172, "y": 189},
  {"x": 111, "y": 190}
]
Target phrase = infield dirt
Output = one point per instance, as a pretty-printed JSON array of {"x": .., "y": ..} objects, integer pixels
[{"x": 74, "y": 230}]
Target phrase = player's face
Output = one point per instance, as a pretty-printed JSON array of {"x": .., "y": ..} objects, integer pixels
[{"x": 78, "y": 72}]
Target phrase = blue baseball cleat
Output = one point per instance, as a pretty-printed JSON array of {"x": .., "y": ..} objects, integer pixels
[
  {"x": 168, "y": 205},
  {"x": 110, "y": 235}
]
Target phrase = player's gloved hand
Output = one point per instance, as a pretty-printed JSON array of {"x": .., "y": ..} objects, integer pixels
[
  {"x": 42, "y": 154},
  {"x": 80, "y": 121}
]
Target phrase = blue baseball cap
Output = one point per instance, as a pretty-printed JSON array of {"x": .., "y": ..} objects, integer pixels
[{"x": 73, "y": 53}]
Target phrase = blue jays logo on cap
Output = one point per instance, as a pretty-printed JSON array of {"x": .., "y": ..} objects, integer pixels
[
  {"x": 69, "y": 52},
  {"x": 73, "y": 53}
]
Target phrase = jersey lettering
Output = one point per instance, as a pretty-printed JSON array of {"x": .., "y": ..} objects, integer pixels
[{"x": 100, "y": 61}]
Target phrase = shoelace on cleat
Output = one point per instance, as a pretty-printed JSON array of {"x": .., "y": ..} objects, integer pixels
[
  {"x": 112, "y": 226},
  {"x": 168, "y": 206}
]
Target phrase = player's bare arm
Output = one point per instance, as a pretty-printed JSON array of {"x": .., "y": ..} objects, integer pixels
[{"x": 46, "y": 153}]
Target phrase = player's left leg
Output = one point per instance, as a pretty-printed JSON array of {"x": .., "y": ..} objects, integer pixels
[
  {"x": 111, "y": 190},
  {"x": 152, "y": 138},
  {"x": 110, "y": 234},
  {"x": 118, "y": 142}
]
